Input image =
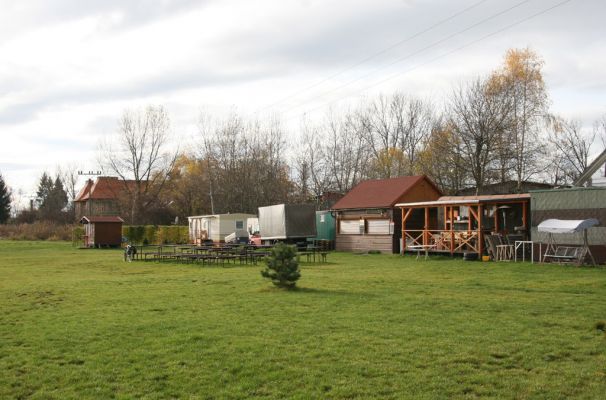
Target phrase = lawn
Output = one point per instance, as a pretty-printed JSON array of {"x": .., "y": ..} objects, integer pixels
[{"x": 85, "y": 324}]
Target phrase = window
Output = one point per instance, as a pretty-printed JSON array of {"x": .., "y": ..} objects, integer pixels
[
  {"x": 349, "y": 227},
  {"x": 239, "y": 224},
  {"x": 378, "y": 227}
]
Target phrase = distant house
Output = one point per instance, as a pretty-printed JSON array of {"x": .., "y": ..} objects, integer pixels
[
  {"x": 508, "y": 187},
  {"x": 101, "y": 197},
  {"x": 367, "y": 218}
]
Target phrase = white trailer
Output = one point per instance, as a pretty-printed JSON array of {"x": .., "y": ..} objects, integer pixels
[{"x": 215, "y": 227}]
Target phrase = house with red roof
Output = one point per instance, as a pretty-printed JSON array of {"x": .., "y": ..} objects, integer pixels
[
  {"x": 367, "y": 218},
  {"x": 102, "y": 197}
]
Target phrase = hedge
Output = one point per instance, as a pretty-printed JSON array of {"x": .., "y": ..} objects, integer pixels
[{"x": 156, "y": 234}]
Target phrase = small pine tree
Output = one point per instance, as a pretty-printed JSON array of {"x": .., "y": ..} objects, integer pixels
[
  {"x": 282, "y": 266},
  {"x": 5, "y": 201}
]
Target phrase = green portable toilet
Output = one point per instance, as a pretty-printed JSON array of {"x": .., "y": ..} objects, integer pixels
[{"x": 325, "y": 226}]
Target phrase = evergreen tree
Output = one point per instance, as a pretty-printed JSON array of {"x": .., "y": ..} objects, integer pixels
[
  {"x": 51, "y": 198},
  {"x": 282, "y": 266},
  {"x": 5, "y": 201},
  {"x": 45, "y": 187}
]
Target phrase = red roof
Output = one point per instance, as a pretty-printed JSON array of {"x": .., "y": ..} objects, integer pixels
[
  {"x": 104, "y": 188},
  {"x": 379, "y": 192},
  {"x": 101, "y": 219}
]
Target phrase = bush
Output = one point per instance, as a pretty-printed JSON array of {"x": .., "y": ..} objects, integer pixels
[
  {"x": 153, "y": 234},
  {"x": 41, "y": 230},
  {"x": 282, "y": 266}
]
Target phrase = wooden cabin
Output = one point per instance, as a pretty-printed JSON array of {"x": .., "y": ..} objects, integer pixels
[
  {"x": 458, "y": 224},
  {"x": 367, "y": 218},
  {"x": 102, "y": 231}
]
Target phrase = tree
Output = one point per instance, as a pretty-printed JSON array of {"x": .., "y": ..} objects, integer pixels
[
  {"x": 479, "y": 119},
  {"x": 394, "y": 129},
  {"x": 572, "y": 146},
  {"x": 245, "y": 162},
  {"x": 51, "y": 199},
  {"x": 5, "y": 201},
  {"x": 139, "y": 153},
  {"x": 282, "y": 267},
  {"x": 441, "y": 159},
  {"x": 519, "y": 83}
]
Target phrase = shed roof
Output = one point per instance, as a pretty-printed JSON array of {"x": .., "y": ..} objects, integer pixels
[
  {"x": 380, "y": 192},
  {"x": 88, "y": 220},
  {"x": 105, "y": 187},
  {"x": 489, "y": 198}
]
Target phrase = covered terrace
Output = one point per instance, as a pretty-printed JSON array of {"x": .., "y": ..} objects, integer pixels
[{"x": 458, "y": 224}]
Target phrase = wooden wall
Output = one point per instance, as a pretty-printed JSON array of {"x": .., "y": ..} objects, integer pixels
[
  {"x": 108, "y": 233},
  {"x": 383, "y": 243}
]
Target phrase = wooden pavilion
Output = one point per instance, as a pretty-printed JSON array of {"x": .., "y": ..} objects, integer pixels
[{"x": 458, "y": 224}]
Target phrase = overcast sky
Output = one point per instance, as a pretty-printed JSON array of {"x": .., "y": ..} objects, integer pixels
[{"x": 68, "y": 68}]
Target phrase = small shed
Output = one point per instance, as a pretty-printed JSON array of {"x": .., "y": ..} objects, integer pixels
[
  {"x": 102, "y": 231},
  {"x": 367, "y": 217},
  {"x": 215, "y": 227}
]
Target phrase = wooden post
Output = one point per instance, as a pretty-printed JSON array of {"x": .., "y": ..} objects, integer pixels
[
  {"x": 496, "y": 217},
  {"x": 451, "y": 230},
  {"x": 480, "y": 236},
  {"x": 426, "y": 227},
  {"x": 524, "y": 217}
]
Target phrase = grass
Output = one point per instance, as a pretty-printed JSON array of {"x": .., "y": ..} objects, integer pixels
[{"x": 84, "y": 324}]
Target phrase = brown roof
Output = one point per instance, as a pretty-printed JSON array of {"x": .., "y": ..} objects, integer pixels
[
  {"x": 100, "y": 219},
  {"x": 379, "y": 192},
  {"x": 104, "y": 188}
]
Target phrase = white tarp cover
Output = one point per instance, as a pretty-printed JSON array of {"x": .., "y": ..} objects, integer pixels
[
  {"x": 282, "y": 221},
  {"x": 566, "y": 225}
]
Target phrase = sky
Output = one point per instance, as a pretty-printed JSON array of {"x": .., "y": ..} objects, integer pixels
[{"x": 69, "y": 68}]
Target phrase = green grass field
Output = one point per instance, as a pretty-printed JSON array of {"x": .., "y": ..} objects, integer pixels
[{"x": 85, "y": 324}]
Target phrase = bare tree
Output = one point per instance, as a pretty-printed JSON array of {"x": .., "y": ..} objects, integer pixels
[
  {"x": 478, "y": 119},
  {"x": 572, "y": 146},
  {"x": 246, "y": 163},
  {"x": 140, "y": 154}
]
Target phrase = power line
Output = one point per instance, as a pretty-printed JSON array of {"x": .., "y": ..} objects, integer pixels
[
  {"x": 385, "y": 50},
  {"x": 399, "y": 60},
  {"x": 507, "y": 27}
]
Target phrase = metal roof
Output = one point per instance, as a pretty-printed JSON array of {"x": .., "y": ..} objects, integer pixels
[{"x": 448, "y": 200}]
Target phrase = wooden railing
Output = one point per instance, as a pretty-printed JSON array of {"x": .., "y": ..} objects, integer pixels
[{"x": 443, "y": 240}]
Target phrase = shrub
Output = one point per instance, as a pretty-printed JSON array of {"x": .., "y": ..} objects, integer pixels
[
  {"x": 282, "y": 266},
  {"x": 40, "y": 230},
  {"x": 152, "y": 234}
]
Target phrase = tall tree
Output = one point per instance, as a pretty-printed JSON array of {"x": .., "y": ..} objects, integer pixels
[
  {"x": 394, "y": 128},
  {"x": 441, "y": 159},
  {"x": 479, "y": 119},
  {"x": 139, "y": 153},
  {"x": 572, "y": 146},
  {"x": 5, "y": 201},
  {"x": 246, "y": 163},
  {"x": 519, "y": 83},
  {"x": 51, "y": 199}
]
